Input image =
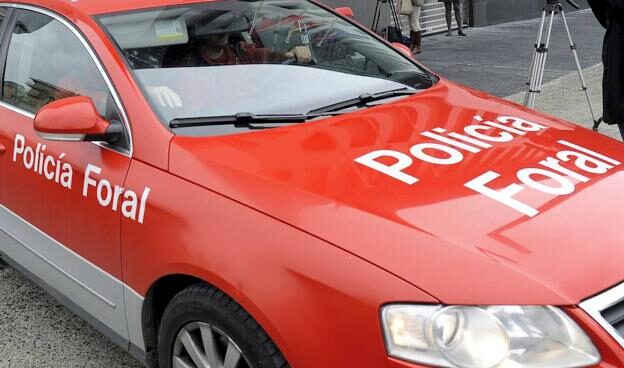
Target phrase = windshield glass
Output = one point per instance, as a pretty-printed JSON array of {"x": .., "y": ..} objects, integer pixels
[{"x": 223, "y": 58}]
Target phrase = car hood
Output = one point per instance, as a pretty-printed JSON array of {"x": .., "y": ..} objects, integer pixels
[{"x": 459, "y": 243}]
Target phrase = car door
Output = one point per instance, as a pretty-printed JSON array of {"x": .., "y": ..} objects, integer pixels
[{"x": 53, "y": 224}]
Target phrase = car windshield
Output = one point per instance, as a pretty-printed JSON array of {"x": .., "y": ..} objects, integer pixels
[{"x": 263, "y": 57}]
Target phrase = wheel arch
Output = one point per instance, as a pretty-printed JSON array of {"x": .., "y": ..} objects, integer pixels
[{"x": 159, "y": 295}]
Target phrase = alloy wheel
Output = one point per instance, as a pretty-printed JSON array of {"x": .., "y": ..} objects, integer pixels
[{"x": 200, "y": 345}]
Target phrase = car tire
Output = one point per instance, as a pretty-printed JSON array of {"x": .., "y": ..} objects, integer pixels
[{"x": 203, "y": 327}]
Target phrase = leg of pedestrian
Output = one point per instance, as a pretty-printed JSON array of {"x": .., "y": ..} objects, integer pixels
[
  {"x": 449, "y": 25},
  {"x": 458, "y": 17},
  {"x": 419, "y": 42},
  {"x": 416, "y": 32}
]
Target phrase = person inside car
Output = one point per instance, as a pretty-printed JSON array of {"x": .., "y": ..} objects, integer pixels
[{"x": 212, "y": 46}]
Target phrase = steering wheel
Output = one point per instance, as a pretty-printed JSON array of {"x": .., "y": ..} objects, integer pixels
[{"x": 289, "y": 61}]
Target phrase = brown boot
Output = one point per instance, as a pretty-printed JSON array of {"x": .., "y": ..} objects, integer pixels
[
  {"x": 418, "y": 44},
  {"x": 412, "y": 40}
]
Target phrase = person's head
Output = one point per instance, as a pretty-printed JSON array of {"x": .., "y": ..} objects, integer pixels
[
  {"x": 216, "y": 40},
  {"x": 216, "y": 32}
]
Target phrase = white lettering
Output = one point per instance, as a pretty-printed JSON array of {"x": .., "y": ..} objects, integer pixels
[
  {"x": 395, "y": 170},
  {"x": 18, "y": 146},
  {"x": 104, "y": 186},
  {"x": 504, "y": 195},
  {"x": 590, "y": 152},
  {"x": 553, "y": 163},
  {"x": 29, "y": 157},
  {"x": 451, "y": 142},
  {"x": 522, "y": 124},
  {"x": 584, "y": 162},
  {"x": 49, "y": 161},
  {"x": 88, "y": 181},
  {"x": 129, "y": 205},
  {"x": 146, "y": 193},
  {"x": 565, "y": 186},
  {"x": 107, "y": 194},
  {"x": 474, "y": 131},
  {"x": 454, "y": 156},
  {"x": 118, "y": 192}
]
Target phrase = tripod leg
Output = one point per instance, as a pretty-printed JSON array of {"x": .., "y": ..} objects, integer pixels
[
  {"x": 395, "y": 16},
  {"x": 538, "y": 77},
  {"x": 376, "y": 16},
  {"x": 537, "y": 46},
  {"x": 580, "y": 71}
]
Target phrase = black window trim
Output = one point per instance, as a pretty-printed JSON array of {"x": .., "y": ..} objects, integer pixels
[{"x": 6, "y": 32}]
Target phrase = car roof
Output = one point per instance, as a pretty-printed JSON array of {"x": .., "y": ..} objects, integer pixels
[{"x": 94, "y": 7}]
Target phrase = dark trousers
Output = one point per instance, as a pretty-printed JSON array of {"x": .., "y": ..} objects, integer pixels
[{"x": 456, "y": 5}]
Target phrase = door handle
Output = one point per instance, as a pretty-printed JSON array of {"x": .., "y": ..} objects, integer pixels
[{"x": 2, "y": 148}]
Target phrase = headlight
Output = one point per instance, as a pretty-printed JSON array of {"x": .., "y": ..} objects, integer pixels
[{"x": 486, "y": 337}]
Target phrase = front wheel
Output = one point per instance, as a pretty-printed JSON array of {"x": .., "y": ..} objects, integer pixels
[{"x": 204, "y": 328}]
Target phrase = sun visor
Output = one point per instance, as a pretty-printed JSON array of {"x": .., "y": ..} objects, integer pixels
[
  {"x": 134, "y": 31},
  {"x": 228, "y": 23}
]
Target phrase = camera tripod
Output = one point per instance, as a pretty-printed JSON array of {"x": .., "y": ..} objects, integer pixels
[
  {"x": 538, "y": 63},
  {"x": 392, "y": 12}
]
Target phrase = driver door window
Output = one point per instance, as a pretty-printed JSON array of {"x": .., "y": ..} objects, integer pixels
[{"x": 47, "y": 62}]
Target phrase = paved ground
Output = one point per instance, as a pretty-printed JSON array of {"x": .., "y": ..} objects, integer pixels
[
  {"x": 496, "y": 59},
  {"x": 35, "y": 331},
  {"x": 562, "y": 97}
]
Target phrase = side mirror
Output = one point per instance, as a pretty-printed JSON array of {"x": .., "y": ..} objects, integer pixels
[
  {"x": 345, "y": 12},
  {"x": 403, "y": 49},
  {"x": 74, "y": 119}
]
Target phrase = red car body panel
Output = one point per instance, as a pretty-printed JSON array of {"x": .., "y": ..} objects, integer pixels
[
  {"x": 40, "y": 202},
  {"x": 312, "y": 243},
  {"x": 283, "y": 276},
  {"x": 448, "y": 244}
]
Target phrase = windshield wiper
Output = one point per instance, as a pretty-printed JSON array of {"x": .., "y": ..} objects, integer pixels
[
  {"x": 247, "y": 120},
  {"x": 363, "y": 100}
]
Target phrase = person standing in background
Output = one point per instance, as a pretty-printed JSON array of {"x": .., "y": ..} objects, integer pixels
[
  {"x": 610, "y": 14},
  {"x": 415, "y": 30},
  {"x": 456, "y": 5}
]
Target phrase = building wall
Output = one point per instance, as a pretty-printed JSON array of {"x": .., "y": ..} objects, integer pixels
[
  {"x": 481, "y": 12},
  {"x": 364, "y": 9}
]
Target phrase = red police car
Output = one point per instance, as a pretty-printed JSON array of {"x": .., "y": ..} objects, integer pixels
[{"x": 264, "y": 183}]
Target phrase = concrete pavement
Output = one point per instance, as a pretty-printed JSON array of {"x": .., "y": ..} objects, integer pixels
[
  {"x": 496, "y": 60},
  {"x": 36, "y": 331},
  {"x": 562, "y": 97}
]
